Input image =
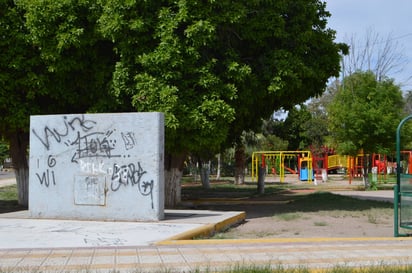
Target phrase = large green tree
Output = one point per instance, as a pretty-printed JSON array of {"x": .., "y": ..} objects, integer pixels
[
  {"x": 21, "y": 88},
  {"x": 52, "y": 60},
  {"x": 215, "y": 68},
  {"x": 288, "y": 41},
  {"x": 364, "y": 114}
]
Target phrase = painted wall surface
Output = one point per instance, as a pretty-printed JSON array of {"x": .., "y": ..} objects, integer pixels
[{"x": 97, "y": 166}]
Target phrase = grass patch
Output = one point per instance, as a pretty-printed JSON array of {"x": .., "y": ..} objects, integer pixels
[
  {"x": 225, "y": 190},
  {"x": 372, "y": 218},
  {"x": 290, "y": 216},
  {"x": 265, "y": 269},
  {"x": 302, "y": 269},
  {"x": 8, "y": 193},
  {"x": 320, "y": 201},
  {"x": 8, "y": 200},
  {"x": 320, "y": 224}
]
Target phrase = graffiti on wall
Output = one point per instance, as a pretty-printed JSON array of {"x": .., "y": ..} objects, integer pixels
[
  {"x": 94, "y": 153},
  {"x": 47, "y": 177}
]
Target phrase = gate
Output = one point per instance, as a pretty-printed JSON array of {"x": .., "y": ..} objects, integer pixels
[{"x": 402, "y": 190}]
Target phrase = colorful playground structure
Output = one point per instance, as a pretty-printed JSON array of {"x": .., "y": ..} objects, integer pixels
[
  {"x": 311, "y": 166},
  {"x": 303, "y": 163},
  {"x": 296, "y": 162}
]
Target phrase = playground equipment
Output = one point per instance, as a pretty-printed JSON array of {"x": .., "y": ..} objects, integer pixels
[
  {"x": 335, "y": 162},
  {"x": 402, "y": 190},
  {"x": 305, "y": 168},
  {"x": 311, "y": 166},
  {"x": 380, "y": 162},
  {"x": 325, "y": 160},
  {"x": 275, "y": 161}
]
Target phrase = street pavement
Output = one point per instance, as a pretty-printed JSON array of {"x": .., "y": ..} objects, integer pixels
[{"x": 49, "y": 245}]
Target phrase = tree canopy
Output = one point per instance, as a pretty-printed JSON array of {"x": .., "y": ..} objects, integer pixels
[
  {"x": 215, "y": 68},
  {"x": 52, "y": 61},
  {"x": 218, "y": 67},
  {"x": 365, "y": 113},
  {"x": 21, "y": 72}
]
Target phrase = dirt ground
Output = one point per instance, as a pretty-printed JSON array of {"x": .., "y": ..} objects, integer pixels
[
  {"x": 284, "y": 213},
  {"x": 378, "y": 223},
  {"x": 281, "y": 215}
]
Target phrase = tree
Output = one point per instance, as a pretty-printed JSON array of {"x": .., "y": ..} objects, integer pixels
[
  {"x": 215, "y": 68},
  {"x": 382, "y": 56},
  {"x": 364, "y": 115},
  {"x": 316, "y": 127},
  {"x": 408, "y": 101},
  {"x": 294, "y": 129},
  {"x": 51, "y": 62},
  {"x": 21, "y": 89},
  {"x": 287, "y": 65}
]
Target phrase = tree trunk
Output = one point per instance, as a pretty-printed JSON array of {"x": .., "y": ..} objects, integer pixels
[
  {"x": 365, "y": 172},
  {"x": 218, "y": 167},
  {"x": 204, "y": 174},
  {"x": 261, "y": 180},
  {"x": 240, "y": 159},
  {"x": 19, "y": 143},
  {"x": 173, "y": 176}
]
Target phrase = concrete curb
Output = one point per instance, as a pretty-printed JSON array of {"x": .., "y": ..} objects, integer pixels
[
  {"x": 281, "y": 240},
  {"x": 228, "y": 201},
  {"x": 205, "y": 231}
]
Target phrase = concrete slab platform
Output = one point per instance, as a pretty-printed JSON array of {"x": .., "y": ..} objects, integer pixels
[{"x": 18, "y": 230}]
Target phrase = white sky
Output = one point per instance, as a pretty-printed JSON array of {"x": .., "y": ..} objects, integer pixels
[{"x": 353, "y": 18}]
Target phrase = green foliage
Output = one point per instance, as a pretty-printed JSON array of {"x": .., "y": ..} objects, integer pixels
[
  {"x": 174, "y": 68},
  {"x": 217, "y": 67},
  {"x": 8, "y": 193},
  {"x": 4, "y": 151},
  {"x": 20, "y": 63},
  {"x": 51, "y": 61},
  {"x": 272, "y": 143},
  {"x": 365, "y": 113},
  {"x": 316, "y": 128},
  {"x": 77, "y": 62},
  {"x": 8, "y": 200},
  {"x": 294, "y": 128}
]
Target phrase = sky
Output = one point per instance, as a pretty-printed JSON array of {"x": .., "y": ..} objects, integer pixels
[{"x": 353, "y": 18}]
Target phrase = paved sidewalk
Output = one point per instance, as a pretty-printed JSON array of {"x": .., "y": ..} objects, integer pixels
[
  {"x": 213, "y": 255},
  {"x": 34, "y": 245},
  {"x": 7, "y": 178},
  {"x": 381, "y": 195}
]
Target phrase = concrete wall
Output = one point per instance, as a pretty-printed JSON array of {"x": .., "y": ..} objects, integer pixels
[{"x": 97, "y": 166}]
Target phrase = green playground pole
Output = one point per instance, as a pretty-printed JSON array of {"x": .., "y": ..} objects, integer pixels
[{"x": 395, "y": 211}]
